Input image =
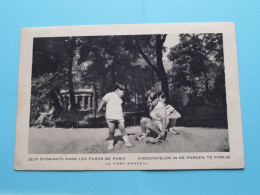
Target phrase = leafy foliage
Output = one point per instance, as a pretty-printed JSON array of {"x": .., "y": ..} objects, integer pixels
[
  {"x": 101, "y": 61},
  {"x": 196, "y": 60},
  {"x": 178, "y": 98},
  {"x": 45, "y": 90}
]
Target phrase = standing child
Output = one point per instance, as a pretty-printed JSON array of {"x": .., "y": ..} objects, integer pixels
[{"x": 114, "y": 114}]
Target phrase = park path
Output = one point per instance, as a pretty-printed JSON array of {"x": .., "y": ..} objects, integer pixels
[{"x": 90, "y": 140}]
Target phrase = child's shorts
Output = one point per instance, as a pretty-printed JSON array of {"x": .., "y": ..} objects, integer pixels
[
  {"x": 121, "y": 121},
  {"x": 175, "y": 115}
]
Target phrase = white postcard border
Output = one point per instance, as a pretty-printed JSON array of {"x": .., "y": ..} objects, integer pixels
[{"x": 212, "y": 160}]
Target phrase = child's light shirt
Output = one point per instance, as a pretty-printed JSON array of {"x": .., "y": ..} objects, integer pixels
[
  {"x": 158, "y": 112},
  {"x": 171, "y": 112},
  {"x": 114, "y": 109}
]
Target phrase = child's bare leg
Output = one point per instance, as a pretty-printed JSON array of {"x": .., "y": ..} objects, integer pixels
[
  {"x": 172, "y": 122},
  {"x": 121, "y": 126},
  {"x": 143, "y": 123},
  {"x": 172, "y": 125},
  {"x": 111, "y": 127},
  {"x": 153, "y": 127}
]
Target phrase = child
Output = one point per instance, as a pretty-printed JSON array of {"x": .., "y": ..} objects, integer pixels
[
  {"x": 172, "y": 116},
  {"x": 114, "y": 114},
  {"x": 45, "y": 116},
  {"x": 157, "y": 123}
]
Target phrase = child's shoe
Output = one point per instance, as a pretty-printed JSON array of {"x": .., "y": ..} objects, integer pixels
[
  {"x": 143, "y": 136},
  {"x": 126, "y": 140},
  {"x": 110, "y": 144},
  {"x": 173, "y": 131}
]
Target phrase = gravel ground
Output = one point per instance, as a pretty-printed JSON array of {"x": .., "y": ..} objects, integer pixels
[{"x": 83, "y": 141}]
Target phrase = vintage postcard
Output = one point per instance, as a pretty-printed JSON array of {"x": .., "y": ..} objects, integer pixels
[{"x": 129, "y": 97}]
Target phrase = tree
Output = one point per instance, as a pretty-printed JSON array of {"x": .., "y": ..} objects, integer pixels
[
  {"x": 44, "y": 90},
  {"x": 101, "y": 61},
  {"x": 195, "y": 60},
  {"x": 151, "y": 49},
  {"x": 111, "y": 57},
  {"x": 58, "y": 55}
]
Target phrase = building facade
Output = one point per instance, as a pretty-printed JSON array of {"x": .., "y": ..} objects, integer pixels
[{"x": 84, "y": 99}]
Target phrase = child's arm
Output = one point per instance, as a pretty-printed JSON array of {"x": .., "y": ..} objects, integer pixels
[
  {"x": 101, "y": 105},
  {"x": 163, "y": 126}
]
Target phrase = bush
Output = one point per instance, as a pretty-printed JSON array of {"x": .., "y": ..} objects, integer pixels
[{"x": 178, "y": 98}]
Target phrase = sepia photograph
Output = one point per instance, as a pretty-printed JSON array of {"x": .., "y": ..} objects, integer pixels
[
  {"x": 120, "y": 94},
  {"x": 157, "y": 93}
]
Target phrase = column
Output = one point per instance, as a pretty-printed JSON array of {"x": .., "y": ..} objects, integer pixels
[
  {"x": 93, "y": 102},
  {"x": 89, "y": 103},
  {"x": 76, "y": 102},
  {"x": 80, "y": 102},
  {"x": 63, "y": 101},
  {"x": 83, "y": 101},
  {"x": 68, "y": 102},
  {"x": 76, "y": 99}
]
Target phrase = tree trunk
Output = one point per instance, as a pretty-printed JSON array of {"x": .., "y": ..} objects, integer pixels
[
  {"x": 95, "y": 104},
  {"x": 161, "y": 70},
  {"x": 72, "y": 63},
  {"x": 206, "y": 87},
  {"x": 59, "y": 102},
  {"x": 113, "y": 76},
  {"x": 71, "y": 89},
  {"x": 158, "y": 68}
]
